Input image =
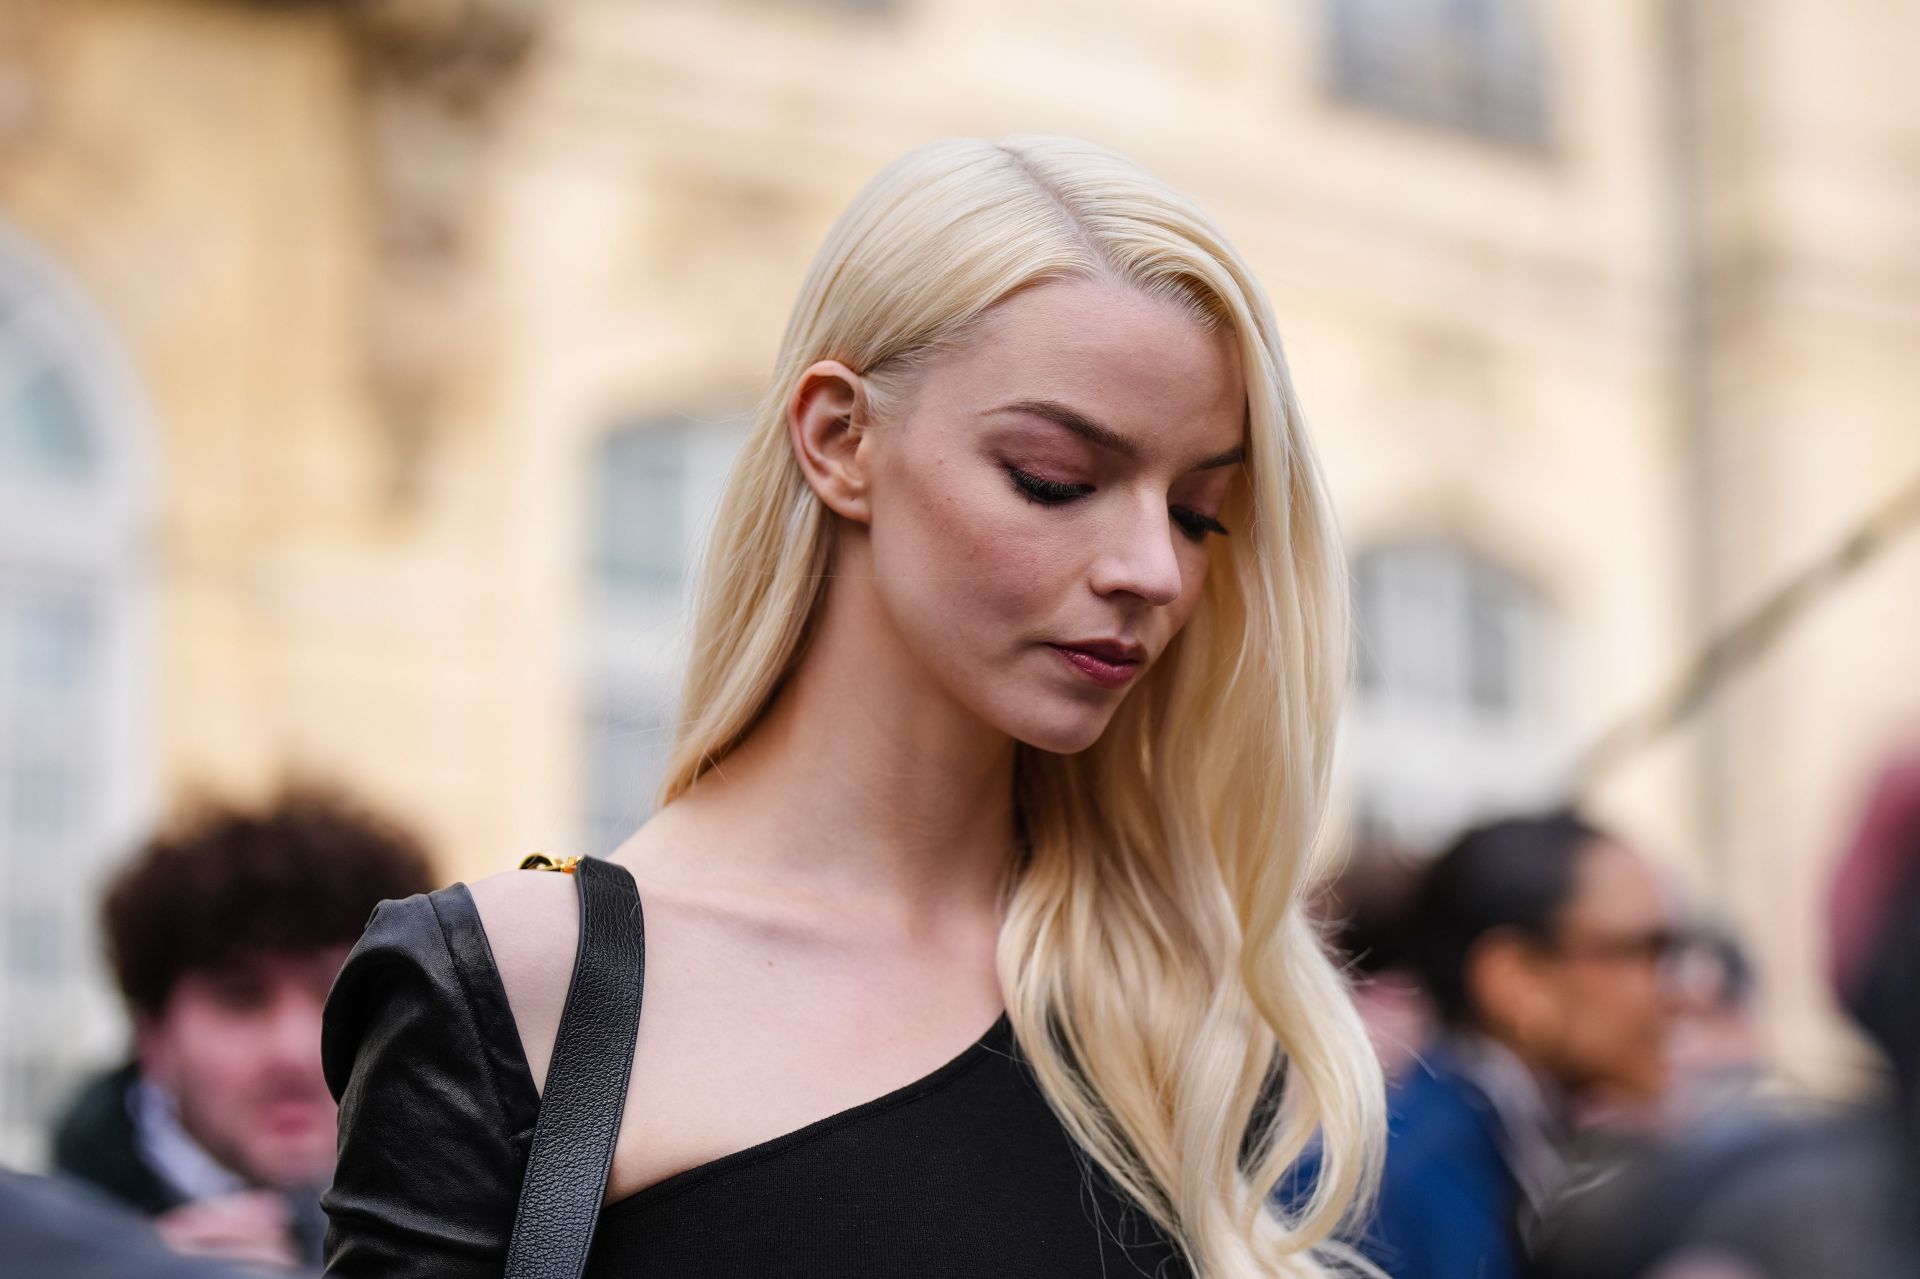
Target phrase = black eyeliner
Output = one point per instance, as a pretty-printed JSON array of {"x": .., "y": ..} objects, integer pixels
[
  {"x": 1197, "y": 525},
  {"x": 1046, "y": 492},
  {"x": 1194, "y": 524}
]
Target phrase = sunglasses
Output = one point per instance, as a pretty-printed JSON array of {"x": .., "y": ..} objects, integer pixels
[{"x": 1646, "y": 946}]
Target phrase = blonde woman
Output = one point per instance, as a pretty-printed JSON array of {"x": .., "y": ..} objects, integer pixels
[{"x": 974, "y": 938}]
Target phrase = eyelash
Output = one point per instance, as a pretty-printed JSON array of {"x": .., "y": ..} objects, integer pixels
[{"x": 1054, "y": 493}]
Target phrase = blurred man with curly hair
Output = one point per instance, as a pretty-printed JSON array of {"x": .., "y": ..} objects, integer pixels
[{"x": 225, "y": 934}]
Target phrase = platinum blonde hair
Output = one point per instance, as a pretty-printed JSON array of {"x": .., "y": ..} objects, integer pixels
[{"x": 1159, "y": 965}]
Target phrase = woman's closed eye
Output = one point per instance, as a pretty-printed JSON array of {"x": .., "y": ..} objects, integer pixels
[
  {"x": 1045, "y": 491},
  {"x": 1194, "y": 524}
]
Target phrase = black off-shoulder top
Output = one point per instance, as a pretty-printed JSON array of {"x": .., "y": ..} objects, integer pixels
[{"x": 963, "y": 1173}]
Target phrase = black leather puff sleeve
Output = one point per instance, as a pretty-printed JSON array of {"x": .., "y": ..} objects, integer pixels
[{"x": 436, "y": 1106}]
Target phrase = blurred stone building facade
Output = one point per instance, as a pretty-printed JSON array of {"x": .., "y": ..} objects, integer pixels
[{"x": 367, "y": 369}]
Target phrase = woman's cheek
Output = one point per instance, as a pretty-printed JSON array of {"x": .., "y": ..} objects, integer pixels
[
  {"x": 1193, "y": 580},
  {"x": 978, "y": 598},
  {"x": 940, "y": 557}
]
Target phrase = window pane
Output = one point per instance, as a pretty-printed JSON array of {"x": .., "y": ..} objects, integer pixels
[
  {"x": 32, "y": 1087},
  {"x": 627, "y": 745},
  {"x": 1451, "y": 722},
  {"x": 55, "y": 652},
  {"x": 43, "y": 430},
  {"x": 1494, "y": 653},
  {"x": 640, "y": 517},
  {"x": 33, "y": 944},
  {"x": 1472, "y": 65},
  {"x": 1442, "y": 628},
  {"x": 44, "y": 796},
  {"x": 1366, "y": 660}
]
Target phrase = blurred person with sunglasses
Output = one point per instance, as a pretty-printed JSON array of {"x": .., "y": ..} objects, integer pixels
[
  {"x": 1541, "y": 942},
  {"x": 1788, "y": 1187},
  {"x": 1717, "y": 1053},
  {"x": 225, "y": 935}
]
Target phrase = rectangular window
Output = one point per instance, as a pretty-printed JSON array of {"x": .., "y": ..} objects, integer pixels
[
  {"x": 1475, "y": 66},
  {"x": 641, "y": 516},
  {"x": 34, "y": 939},
  {"x": 657, "y": 485}
]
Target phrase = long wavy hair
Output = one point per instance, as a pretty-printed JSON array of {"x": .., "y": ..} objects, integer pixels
[{"x": 1180, "y": 1012}]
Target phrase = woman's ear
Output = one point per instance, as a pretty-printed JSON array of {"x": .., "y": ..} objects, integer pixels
[{"x": 827, "y": 426}]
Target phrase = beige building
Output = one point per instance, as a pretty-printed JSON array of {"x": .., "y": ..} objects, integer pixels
[{"x": 366, "y": 369}]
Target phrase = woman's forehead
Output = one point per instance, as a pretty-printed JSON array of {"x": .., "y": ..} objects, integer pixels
[{"x": 1143, "y": 368}]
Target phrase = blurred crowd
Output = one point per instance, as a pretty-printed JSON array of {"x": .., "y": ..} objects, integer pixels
[
  {"x": 1578, "y": 1084},
  {"x": 1578, "y": 1088},
  {"x": 224, "y": 935}
]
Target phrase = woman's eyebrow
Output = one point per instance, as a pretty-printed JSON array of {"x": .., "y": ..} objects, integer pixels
[
  {"x": 1077, "y": 422},
  {"x": 1105, "y": 436},
  {"x": 1238, "y": 453}
]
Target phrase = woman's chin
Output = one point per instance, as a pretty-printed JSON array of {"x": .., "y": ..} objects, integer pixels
[{"x": 1066, "y": 730}]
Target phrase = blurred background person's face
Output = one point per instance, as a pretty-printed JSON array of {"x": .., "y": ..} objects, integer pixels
[
  {"x": 1602, "y": 972},
  {"x": 1715, "y": 1038},
  {"x": 239, "y": 1053}
]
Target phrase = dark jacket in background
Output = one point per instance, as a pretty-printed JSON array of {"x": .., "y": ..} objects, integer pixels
[
  {"x": 1786, "y": 1195},
  {"x": 53, "y": 1228},
  {"x": 95, "y": 1143}
]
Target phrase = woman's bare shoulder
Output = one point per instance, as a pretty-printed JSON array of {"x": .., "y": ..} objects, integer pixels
[{"x": 532, "y": 922}]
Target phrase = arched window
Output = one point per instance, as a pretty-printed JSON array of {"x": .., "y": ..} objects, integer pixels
[
  {"x": 75, "y": 782},
  {"x": 654, "y": 487},
  {"x": 1472, "y": 65},
  {"x": 1452, "y": 715}
]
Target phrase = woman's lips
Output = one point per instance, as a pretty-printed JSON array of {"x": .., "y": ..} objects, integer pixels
[{"x": 1104, "y": 671}]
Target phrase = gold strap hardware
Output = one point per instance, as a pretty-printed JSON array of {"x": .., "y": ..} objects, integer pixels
[{"x": 540, "y": 861}]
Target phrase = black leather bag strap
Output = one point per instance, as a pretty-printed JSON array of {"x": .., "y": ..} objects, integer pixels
[{"x": 586, "y": 1089}]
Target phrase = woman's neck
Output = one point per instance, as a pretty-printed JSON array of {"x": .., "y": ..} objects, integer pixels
[{"x": 864, "y": 781}]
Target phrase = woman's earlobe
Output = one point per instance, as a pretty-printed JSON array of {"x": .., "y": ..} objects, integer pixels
[{"x": 826, "y": 421}]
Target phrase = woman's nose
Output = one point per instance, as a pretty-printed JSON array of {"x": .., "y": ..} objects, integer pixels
[{"x": 1140, "y": 559}]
